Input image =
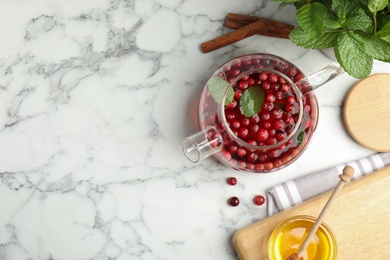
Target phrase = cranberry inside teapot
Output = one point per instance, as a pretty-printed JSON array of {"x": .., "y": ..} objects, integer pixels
[{"x": 262, "y": 119}]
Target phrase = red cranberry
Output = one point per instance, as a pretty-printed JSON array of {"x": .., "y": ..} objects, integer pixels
[
  {"x": 233, "y": 149},
  {"x": 234, "y": 201},
  {"x": 241, "y": 152},
  {"x": 265, "y": 116},
  {"x": 274, "y": 153},
  {"x": 235, "y": 72},
  {"x": 255, "y": 119},
  {"x": 265, "y": 85},
  {"x": 246, "y": 61},
  {"x": 242, "y": 85},
  {"x": 259, "y": 167},
  {"x": 289, "y": 121},
  {"x": 279, "y": 94},
  {"x": 268, "y": 166},
  {"x": 237, "y": 94},
  {"x": 236, "y": 124},
  {"x": 270, "y": 98},
  {"x": 275, "y": 86},
  {"x": 245, "y": 121},
  {"x": 277, "y": 163},
  {"x": 237, "y": 64},
  {"x": 252, "y": 142},
  {"x": 285, "y": 88},
  {"x": 281, "y": 80},
  {"x": 266, "y": 124},
  {"x": 251, "y": 157},
  {"x": 259, "y": 200},
  {"x": 263, "y": 76},
  {"x": 290, "y": 99},
  {"x": 251, "y": 82},
  {"x": 272, "y": 132},
  {"x": 272, "y": 78},
  {"x": 280, "y": 136},
  {"x": 255, "y": 60},
  {"x": 267, "y": 106},
  {"x": 232, "y": 104},
  {"x": 278, "y": 124},
  {"x": 289, "y": 108},
  {"x": 298, "y": 76},
  {"x": 243, "y": 132},
  {"x": 226, "y": 155},
  {"x": 245, "y": 77},
  {"x": 232, "y": 181},
  {"x": 262, "y": 135},
  {"x": 253, "y": 129},
  {"x": 276, "y": 113},
  {"x": 271, "y": 141},
  {"x": 262, "y": 157},
  {"x": 291, "y": 72}
]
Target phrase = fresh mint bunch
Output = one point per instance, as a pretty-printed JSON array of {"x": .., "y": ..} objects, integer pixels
[{"x": 357, "y": 30}]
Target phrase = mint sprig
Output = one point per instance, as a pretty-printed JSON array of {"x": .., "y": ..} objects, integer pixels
[
  {"x": 217, "y": 87},
  {"x": 251, "y": 101},
  {"x": 358, "y": 30}
]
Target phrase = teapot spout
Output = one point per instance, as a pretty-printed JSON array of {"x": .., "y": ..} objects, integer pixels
[{"x": 202, "y": 144}]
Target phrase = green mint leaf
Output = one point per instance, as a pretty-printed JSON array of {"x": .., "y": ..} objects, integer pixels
[
  {"x": 217, "y": 87},
  {"x": 341, "y": 7},
  {"x": 331, "y": 21},
  {"x": 377, "y": 5},
  {"x": 251, "y": 101},
  {"x": 301, "y": 38},
  {"x": 300, "y": 137},
  {"x": 373, "y": 46},
  {"x": 358, "y": 20},
  {"x": 350, "y": 55},
  {"x": 310, "y": 18},
  {"x": 384, "y": 32},
  {"x": 344, "y": 8}
]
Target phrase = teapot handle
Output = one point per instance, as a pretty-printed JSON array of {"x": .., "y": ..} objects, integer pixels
[{"x": 313, "y": 81}]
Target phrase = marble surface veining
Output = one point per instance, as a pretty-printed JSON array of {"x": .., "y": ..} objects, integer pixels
[{"x": 95, "y": 99}]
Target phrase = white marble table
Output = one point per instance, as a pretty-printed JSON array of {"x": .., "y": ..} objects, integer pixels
[{"x": 95, "y": 98}]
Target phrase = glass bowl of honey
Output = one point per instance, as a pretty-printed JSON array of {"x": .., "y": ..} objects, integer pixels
[{"x": 290, "y": 234}]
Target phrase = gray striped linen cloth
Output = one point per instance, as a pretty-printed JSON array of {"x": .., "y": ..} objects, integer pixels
[{"x": 290, "y": 193}]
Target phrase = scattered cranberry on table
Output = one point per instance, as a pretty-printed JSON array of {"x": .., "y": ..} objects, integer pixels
[
  {"x": 259, "y": 200},
  {"x": 232, "y": 181},
  {"x": 234, "y": 201}
]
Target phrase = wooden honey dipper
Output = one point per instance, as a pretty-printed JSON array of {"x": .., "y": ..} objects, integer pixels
[{"x": 345, "y": 177}]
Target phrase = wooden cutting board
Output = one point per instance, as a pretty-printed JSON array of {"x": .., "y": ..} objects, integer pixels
[
  {"x": 359, "y": 217},
  {"x": 367, "y": 112}
]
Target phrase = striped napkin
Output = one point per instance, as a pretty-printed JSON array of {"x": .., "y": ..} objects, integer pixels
[{"x": 290, "y": 193}]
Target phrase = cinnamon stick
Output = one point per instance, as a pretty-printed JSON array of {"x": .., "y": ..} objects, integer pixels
[
  {"x": 274, "y": 28},
  {"x": 236, "y": 21},
  {"x": 247, "y": 26}
]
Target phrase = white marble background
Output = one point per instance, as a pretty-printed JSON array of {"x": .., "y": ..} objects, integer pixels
[{"x": 95, "y": 98}]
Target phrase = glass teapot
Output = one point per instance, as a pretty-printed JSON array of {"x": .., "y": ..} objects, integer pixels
[{"x": 257, "y": 113}]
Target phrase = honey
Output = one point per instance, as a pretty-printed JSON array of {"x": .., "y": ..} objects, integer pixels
[{"x": 290, "y": 234}]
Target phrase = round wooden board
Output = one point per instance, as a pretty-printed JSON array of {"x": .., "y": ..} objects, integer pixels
[{"x": 367, "y": 112}]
